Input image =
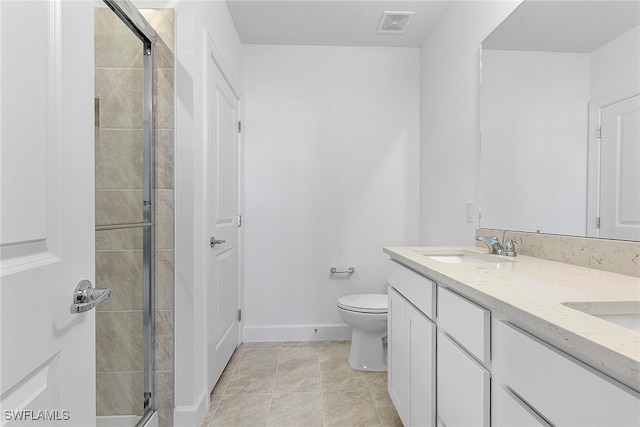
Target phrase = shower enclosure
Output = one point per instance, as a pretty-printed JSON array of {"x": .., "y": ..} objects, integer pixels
[{"x": 124, "y": 181}]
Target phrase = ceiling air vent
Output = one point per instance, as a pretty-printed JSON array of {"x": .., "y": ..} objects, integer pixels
[{"x": 394, "y": 22}]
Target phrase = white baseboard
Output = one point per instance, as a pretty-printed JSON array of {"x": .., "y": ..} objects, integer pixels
[
  {"x": 306, "y": 332},
  {"x": 187, "y": 416}
]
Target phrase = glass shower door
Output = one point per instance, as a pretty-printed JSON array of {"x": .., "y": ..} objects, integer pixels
[{"x": 124, "y": 216}]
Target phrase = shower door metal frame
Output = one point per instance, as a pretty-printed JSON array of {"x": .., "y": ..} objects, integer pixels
[{"x": 134, "y": 20}]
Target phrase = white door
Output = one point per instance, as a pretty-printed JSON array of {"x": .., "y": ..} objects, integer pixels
[
  {"x": 222, "y": 166},
  {"x": 47, "y": 356},
  {"x": 620, "y": 170}
]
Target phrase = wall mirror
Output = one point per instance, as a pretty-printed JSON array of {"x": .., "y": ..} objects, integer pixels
[{"x": 560, "y": 120}]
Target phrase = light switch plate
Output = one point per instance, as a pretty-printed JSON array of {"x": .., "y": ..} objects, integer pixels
[{"x": 468, "y": 211}]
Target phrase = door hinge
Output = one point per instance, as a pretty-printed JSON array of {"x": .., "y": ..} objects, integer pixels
[
  {"x": 597, "y": 222},
  {"x": 599, "y": 133},
  {"x": 239, "y": 315},
  {"x": 239, "y": 126},
  {"x": 239, "y": 220}
]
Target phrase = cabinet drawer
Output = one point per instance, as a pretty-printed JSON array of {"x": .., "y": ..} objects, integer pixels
[
  {"x": 508, "y": 411},
  {"x": 466, "y": 322},
  {"x": 463, "y": 387},
  {"x": 417, "y": 289},
  {"x": 560, "y": 388}
]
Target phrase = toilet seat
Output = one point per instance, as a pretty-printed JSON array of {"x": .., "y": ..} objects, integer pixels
[{"x": 364, "y": 303}]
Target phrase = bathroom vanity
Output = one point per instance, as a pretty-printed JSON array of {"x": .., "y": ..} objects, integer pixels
[{"x": 479, "y": 339}]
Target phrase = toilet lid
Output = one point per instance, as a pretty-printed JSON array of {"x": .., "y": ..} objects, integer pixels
[{"x": 364, "y": 303}]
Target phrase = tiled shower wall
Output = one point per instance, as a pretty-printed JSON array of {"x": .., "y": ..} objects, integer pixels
[
  {"x": 617, "y": 256},
  {"x": 119, "y": 354}
]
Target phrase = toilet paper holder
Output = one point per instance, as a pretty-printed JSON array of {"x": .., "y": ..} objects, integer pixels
[{"x": 349, "y": 270}]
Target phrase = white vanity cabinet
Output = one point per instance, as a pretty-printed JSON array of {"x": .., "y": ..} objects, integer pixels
[
  {"x": 463, "y": 349},
  {"x": 537, "y": 382},
  {"x": 468, "y": 346},
  {"x": 411, "y": 346}
]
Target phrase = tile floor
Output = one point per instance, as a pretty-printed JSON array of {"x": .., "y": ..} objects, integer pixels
[{"x": 299, "y": 384}]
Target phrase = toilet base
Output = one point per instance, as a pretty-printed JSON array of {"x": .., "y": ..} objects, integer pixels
[{"x": 368, "y": 352}]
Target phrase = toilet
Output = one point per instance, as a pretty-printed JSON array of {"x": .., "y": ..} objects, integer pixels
[{"x": 367, "y": 316}]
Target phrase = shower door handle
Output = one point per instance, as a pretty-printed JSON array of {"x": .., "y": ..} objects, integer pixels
[
  {"x": 213, "y": 242},
  {"x": 86, "y": 297}
]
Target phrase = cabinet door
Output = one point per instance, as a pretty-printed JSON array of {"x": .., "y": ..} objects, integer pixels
[
  {"x": 463, "y": 387},
  {"x": 422, "y": 361},
  {"x": 398, "y": 356}
]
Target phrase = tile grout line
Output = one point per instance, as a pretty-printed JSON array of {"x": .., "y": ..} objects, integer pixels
[
  {"x": 324, "y": 422},
  {"x": 373, "y": 401},
  {"x": 224, "y": 391},
  {"x": 275, "y": 378}
]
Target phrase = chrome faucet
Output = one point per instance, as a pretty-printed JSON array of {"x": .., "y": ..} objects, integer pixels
[{"x": 493, "y": 243}]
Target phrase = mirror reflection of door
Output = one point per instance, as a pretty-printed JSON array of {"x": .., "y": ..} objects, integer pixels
[
  {"x": 540, "y": 156},
  {"x": 620, "y": 170}
]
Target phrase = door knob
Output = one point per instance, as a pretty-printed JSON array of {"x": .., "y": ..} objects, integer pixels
[
  {"x": 86, "y": 297},
  {"x": 213, "y": 242}
]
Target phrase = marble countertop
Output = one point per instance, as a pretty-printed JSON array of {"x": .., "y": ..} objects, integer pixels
[{"x": 533, "y": 293}]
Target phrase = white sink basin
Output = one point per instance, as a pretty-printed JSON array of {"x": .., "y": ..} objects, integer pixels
[
  {"x": 460, "y": 256},
  {"x": 627, "y": 320},
  {"x": 454, "y": 258},
  {"x": 621, "y": 313}
]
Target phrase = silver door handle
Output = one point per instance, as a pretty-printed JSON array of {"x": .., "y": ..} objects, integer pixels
[
  {"x": 86, "y": 297},
  {"x": 213, "y": 242}
]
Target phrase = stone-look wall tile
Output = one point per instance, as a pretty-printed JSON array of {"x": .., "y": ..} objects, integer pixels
[
  {"x": 162, "y": 21},
  {"x": 164, "y": 159},
  {"x": 122, "y": 272},
  {"x": 117, "y": 72},
  {"x": 616, "y": 256},
  {"x": 164, "y": 219},
  {"x": 115, "y": 44},
  {"x": 118, "y": 393},
  {"x": 120, "y": 239},
  {"x": 120, "y": 93},
  {"x": 164, "y": 397},
  {"x": 164, "y": 340},
  {"x": 164, "y": 280},
  {"x": 118, "y": 341},
  {"x": 164, "y": 98},
  {"x": 119, "y": 159},
  {"x": 118, "y": 207}
]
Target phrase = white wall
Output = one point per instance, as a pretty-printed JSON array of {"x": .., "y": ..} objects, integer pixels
[
  {"x": 195, "y": 20},
  {"x": 615, "y": 67},
  {"x": 534, "y": 118},
  {"x": 449, "y": 135},
  {"x": 331, "y": 176}
]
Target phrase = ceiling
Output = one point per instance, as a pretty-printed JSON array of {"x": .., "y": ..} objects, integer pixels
[
  {"x": 330, "y": 22},
  {"x": 564, "y": 26}
]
